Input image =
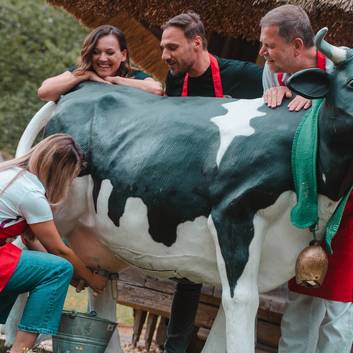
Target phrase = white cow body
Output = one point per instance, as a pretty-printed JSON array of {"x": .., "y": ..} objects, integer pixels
[{"x": 193, "y": 255}]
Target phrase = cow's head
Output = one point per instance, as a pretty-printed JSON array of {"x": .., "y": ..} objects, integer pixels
[
  {"x": 336, "y": 115},
  {"x": 336, "y": 86}
]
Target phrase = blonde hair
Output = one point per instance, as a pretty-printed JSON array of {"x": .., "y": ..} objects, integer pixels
[{"x": 56, "y": 161}]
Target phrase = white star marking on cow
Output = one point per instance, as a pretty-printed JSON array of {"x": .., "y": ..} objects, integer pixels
[{"x": 236, "y": 122}]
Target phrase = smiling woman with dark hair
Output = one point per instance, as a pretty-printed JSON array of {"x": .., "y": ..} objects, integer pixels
[{"x": 104, "y": 58}]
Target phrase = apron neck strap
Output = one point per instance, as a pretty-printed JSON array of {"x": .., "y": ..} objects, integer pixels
[{"x": 216, "y": 79}]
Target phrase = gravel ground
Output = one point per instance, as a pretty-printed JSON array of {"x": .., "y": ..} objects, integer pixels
[
  {"x": 128, "y": 348},
  {"x": 125, "y": 333}
]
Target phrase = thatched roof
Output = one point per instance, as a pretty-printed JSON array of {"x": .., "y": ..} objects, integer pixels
[{"x": 233, "y": 18}]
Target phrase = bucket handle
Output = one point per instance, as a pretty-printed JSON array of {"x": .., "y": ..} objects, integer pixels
[{"x": 74, "y": 313}]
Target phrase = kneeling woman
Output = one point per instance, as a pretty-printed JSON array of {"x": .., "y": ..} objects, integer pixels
[{"x": 29, "y": 187}]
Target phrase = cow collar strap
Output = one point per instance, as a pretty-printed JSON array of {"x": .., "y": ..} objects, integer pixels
[
  {"x": 320, "y": 64},
  {"x": 304, "y": 153},
  {"x": 216, "y": 78}
]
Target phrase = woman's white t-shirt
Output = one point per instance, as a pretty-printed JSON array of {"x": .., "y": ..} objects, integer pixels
[{"x": 23, "y": 199}]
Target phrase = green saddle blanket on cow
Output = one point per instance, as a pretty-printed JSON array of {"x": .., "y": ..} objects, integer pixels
[{"x": 304, "y": 154}]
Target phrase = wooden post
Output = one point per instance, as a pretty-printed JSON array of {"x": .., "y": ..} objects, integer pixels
[
  {"x": 139, "y": 320},
  {"x": 150, "y": 327},
  {"x": 161, "y": 333}
]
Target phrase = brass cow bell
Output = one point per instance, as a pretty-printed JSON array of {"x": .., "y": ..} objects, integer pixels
[{"x": 311, "y": 266}]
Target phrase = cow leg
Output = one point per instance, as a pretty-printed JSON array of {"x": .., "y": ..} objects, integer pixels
[
  {"x": 240, "y": 301},
  {"x": 216, "y": 340},
  {"x": 105, "y": 306}
]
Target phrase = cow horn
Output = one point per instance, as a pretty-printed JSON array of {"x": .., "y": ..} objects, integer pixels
[{"x": 335, "y": 54}]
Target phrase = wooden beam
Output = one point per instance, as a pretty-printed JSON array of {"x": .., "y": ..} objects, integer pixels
[{"x": 159, "y": 303}]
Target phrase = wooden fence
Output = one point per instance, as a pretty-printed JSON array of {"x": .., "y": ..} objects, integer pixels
[{"x": 151, "y": 300}]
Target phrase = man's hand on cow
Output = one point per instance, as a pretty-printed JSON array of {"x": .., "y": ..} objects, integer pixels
[
  {"x": 299, "y": 103},
  {"x": 273, "y": 96}
]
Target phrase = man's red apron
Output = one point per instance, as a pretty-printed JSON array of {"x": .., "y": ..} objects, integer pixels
[
  {"x": 9, "y": 253},
  {"x": 338, "y": 284},
  {"x": 216, "y": 78}
]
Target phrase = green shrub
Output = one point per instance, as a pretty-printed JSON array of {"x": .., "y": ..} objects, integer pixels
[{"x": 36, "y": 41}]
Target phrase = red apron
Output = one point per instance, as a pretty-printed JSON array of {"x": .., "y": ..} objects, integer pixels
[
  {"x": 216, "y": 78},
  {"x": 338, "y": 284},
  {"x": 9, "y": 253},
  {"x": 320, "y": 64}
]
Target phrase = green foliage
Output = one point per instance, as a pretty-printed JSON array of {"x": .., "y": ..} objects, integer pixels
[{"x": 36, "y": 41}]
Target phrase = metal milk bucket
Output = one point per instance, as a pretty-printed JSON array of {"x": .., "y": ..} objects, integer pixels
[{"x": 82, "y": 333}]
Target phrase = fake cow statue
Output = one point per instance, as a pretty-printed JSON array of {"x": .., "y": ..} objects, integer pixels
[{"x": 201, "y": 188}]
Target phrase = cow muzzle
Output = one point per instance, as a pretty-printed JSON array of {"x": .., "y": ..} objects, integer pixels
[{"x": 311, "y": 266}]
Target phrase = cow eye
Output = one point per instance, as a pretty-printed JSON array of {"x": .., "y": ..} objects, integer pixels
[{"x": 350, "y": 84}]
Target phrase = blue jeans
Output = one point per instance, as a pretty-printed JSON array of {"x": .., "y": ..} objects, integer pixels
[{"x": 46, "y": 277}]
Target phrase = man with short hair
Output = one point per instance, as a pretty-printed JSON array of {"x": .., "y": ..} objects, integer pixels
[
  {"x": 193, "y": 71},
  {"x": 316, "y": 320},
  {"x": 287, "y": 44}
]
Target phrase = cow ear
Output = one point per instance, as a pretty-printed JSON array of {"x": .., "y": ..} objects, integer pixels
[{"x": 310, "y": 83}]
